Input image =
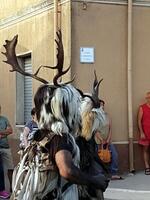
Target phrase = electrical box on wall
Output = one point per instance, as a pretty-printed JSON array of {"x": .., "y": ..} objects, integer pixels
[{"x": 86, "y": 54}]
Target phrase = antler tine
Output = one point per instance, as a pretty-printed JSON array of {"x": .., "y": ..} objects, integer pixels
[
  {"x": 60, "y": 60},
  {"x": 95, "y": 81},
  {"x": 97, "y": 86},
  {"x": 10, "y": 54},
  {"x": 96, "y": 90},
  {"x": 60, "y": 54},
  {"x": 44, "y": 66}
]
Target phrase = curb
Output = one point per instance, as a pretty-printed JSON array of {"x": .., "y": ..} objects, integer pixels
[{"x": 126, "y": 194}]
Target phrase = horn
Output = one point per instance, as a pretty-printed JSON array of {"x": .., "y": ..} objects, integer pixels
[
  {"x": 10, "y": 54},
  {"x": 95, "y": 91}
]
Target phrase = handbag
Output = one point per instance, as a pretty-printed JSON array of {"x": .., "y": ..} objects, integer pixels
[{"x": 104, "y": 154}]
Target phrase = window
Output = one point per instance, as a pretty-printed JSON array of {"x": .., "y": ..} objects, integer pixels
[{"x": 24, "y": 92}]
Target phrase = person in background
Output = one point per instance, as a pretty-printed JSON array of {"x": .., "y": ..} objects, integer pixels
[
  {"x": 5, "y": 151},
  {"x": 29, "y": 130},
  {"x": 144, "y": 130},
  {"x": 104, "y": 137}
]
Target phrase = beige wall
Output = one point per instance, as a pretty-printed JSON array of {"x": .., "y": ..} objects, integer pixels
[
  {"x": 141, "y": 57},
  {"x": 35, "y": 35},
  {"x": 103, "y": 27},
  {"x": 11, "y": 7}
]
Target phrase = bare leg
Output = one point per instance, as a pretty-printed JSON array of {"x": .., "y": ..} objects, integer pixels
[{"x": 146, "y": 156}]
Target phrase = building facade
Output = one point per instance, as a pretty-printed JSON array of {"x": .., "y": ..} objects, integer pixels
[{"x": 97, "y": 24}]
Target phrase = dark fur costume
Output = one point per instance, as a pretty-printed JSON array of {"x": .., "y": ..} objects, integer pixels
[{"x": 89, "y": 161}]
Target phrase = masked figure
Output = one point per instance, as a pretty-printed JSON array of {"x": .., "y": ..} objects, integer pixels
[
  {"x": 92, "y": 121},
  {"x": 49, "y": 167}
]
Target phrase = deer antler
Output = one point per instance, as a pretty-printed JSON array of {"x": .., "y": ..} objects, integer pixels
[
  {"x": 10, "y": 54},
  {"x": 60, "y": 60},
  {"x": 95, "y": 90},
  {"x": 96, "y": 84}
]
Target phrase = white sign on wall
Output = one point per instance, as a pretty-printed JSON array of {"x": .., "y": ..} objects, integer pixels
[{"x": 86, "y": 55}]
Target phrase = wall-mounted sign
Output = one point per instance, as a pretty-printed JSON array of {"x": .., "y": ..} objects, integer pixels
[{"x": 86, "y": 54}]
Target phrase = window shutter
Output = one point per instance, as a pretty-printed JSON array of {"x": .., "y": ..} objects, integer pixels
[{"x": 27, "y": 90}]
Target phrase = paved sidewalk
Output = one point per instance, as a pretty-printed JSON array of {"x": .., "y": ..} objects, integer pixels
[{"x": 133, "y": 187}]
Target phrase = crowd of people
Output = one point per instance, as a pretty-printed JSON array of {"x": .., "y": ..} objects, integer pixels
[
  {"x": 101, "y": 135},
  {"x": 63, "y": 144}
]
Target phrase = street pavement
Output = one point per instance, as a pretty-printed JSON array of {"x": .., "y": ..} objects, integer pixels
[{"x": 133, "y": 187}]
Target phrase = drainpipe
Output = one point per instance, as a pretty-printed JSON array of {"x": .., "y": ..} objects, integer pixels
[{"x": 130, "y": 103}]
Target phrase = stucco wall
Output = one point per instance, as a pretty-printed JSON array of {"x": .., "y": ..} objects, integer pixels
[
  {"x": 141, "y": 57},
  {"x": 36, "y": 35},
  {"x": 103, "y": 27},
  {"x": 11, "y": 7}
]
